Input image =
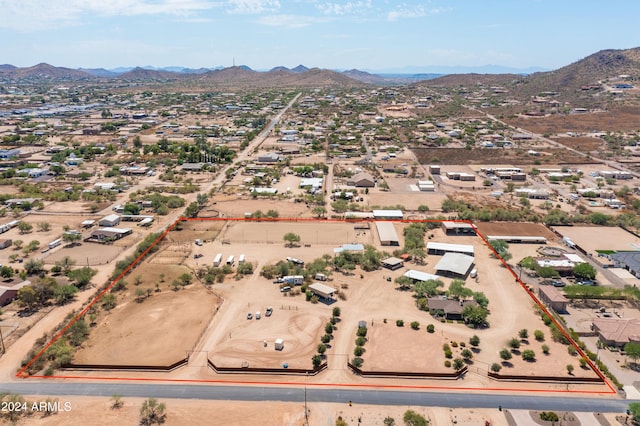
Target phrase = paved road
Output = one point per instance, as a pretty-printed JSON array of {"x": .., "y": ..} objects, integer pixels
[{"x": 358, "y": 396}]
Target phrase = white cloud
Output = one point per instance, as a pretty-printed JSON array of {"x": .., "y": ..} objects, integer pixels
[
  {"x": 348, "y": 8},
  {"x": 403, "y": 11},
  {"x": 33, "y": 15},
  {"x": 288, "y": 21},
  {"x": 253, "y": 7}
]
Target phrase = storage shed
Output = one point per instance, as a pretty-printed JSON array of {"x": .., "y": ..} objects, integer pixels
[
  {"x": 322, "y": 290},
  {"x": 279, "y": 344},
  {"x": 109, "y": 221},
  {"x": 387, "y": 234}
]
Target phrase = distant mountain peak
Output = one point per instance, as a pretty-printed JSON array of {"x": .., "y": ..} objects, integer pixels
[{"x": 300, "y": 68}]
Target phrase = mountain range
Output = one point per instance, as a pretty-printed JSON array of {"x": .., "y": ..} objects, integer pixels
[{"x": 596, "y": 67}]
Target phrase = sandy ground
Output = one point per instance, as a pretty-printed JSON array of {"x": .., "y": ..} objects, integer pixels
[
  {"x": 592, "y": 238},
  {"x": 232, "y": 339},
  {"x": 138, "y": 333},
  {"x": 516, "y": 228},
  {"x": 91, "y": 254},
  {"x": 95, "y": 410}
]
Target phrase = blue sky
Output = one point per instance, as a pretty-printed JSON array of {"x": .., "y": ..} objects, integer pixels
[{"x": 365, "y": 34}]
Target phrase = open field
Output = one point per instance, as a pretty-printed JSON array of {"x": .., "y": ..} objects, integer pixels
[
  {"x": 515, "y": 228},
  {"x": 592, "y": 238},
  {"x": 245, "y": 343},
  {"x": 159, "y": 331},
  {"x": 453, "y": 156},
  {"x": 84, "y": 254},
  {"x": 584, "y": 143},
  {"x": 618, "y": 119}
]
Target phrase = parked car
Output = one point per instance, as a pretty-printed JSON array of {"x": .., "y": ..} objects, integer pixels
[
  {"x": 268, "y": 312},
  {"x": 557, "y": 283},
  {"x": 285, "y": 289},
  {"x": 587, "y": 282},
  {"x": 249, "y": 316}
]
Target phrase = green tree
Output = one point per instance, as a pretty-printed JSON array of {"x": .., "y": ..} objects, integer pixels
[
  {"x": 389, "y": 421},
  {"x": 528, "y": 355},
  {"x": 34, "y": 266},
  {"x": 475, "y": 315},
  {"x": 474, "y": 340},
  {"x": 66, "y": 264},
  {"x": 336, "y": 311},
  {"x": 25, "y": 227},
  {"x": 6, "y": 272},
  {"x": 109, "y": 301},
  {"x": 152, "y": 412},
  {"x": 411, "y": 418},
  {"x": 523, "y": 333},
  {"x": 632, "y": 350},
  {"x": 514, "y": 343},
  {"x": 322, "y": 348},
  {"x": 28, "y": 298},
  {"x": 495, "y": 367},
  {"x": 458, "y": 291},
  {"x": 429, "y": 288},
  {"x": 415, "y": 325},
  {"x": 505, "y": 354},
  {"x": 570, "y": 368},
  {"x": 539, "y": 335},
  {"x": 634, "y": 409},
  {"x": 78, "y": 332},
  {"x": 316, "y": 360},
  {"x": 44, "y": 226},
  {"x": 82, "y": 276},
  {"x": 64, "y": 293},
  {"x": 584, "y": 270},
  {"x": 71, "y": 238},
  {"x": 458, "y": 363},
  {"x": 290, "y": 238}
]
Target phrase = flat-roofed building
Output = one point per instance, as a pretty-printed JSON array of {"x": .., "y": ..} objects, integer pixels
[
  {"x": 451, "y": 227},
  {"x": 420, "y": 276},
  {"x": 442, "y": 248},
  {"x": 392, "y": 263},
  {"x": 388, "y": 214},
  {"x": 551, "y": 297},
  {"x": 387, "y": 234},
  {"x": 454, "y": 264},
  {"x": 322, "y": 290}
]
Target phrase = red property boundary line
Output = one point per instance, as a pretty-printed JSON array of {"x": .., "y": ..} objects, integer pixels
[{"x": 22, "y": 372}]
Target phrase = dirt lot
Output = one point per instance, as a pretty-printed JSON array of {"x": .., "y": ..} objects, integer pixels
[
  {"x": 515, "y": 228},
  {"x": 97, "y": 410},
  {"x": 592, "y": 238},
  {"x": 245, "y": 343},
  {"x": 616, "y": 120},
  {"x": 396, "y": 354},
  {"x": 584, "y": 144},
  {"x": 159, "y": 331},
  {"x": 452, "y": 156},
  {"x": 233, "y": 207},
  {"x": 331, "y": 233},
  {"x": 84, "y": 254}
]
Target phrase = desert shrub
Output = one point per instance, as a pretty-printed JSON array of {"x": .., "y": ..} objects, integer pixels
[
  {"x": 539, "y": 335},
  {"x": 400, "y": 323},
  {"x": 431, "y": 328}
]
